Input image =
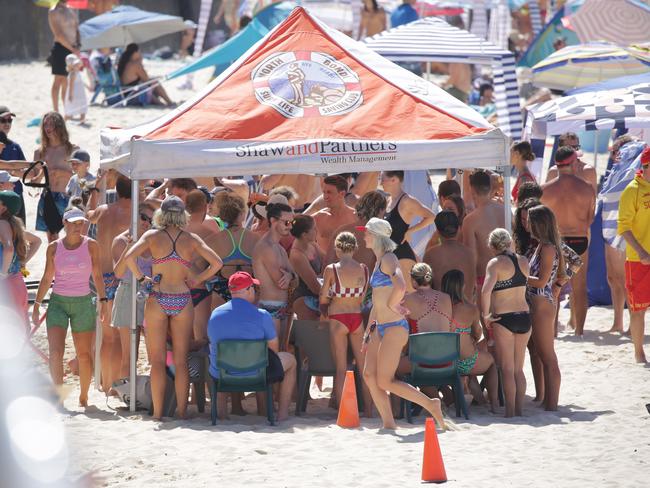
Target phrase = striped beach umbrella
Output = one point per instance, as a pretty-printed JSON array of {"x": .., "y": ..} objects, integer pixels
[
  {"x": 621, "y": 21},
  {"x": 584, "y": 64}
]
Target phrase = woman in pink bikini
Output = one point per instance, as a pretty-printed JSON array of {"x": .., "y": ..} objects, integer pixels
[
  {"x": 169, "y": 309},
  {"x": 71, "y": 261},
  {"x": 341, "y": 298}
]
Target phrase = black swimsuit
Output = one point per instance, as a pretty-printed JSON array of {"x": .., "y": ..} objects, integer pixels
[
  {"x": 404, "y": 250},
  {"x": 515, "y": 322}
]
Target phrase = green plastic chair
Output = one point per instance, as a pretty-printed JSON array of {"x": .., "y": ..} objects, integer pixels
[
  {"x": 241, "y": 356},
  {"x": 311, "y": 339},
  {"x": 433, "y": 349}
]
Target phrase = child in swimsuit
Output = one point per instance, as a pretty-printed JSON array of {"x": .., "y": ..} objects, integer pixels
[{"x": 344, "y": 288}]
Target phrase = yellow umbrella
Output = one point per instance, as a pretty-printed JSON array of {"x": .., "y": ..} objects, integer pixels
[{"x": 584, "y": 64}]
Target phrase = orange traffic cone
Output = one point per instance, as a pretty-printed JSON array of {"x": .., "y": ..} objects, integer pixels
[
  {"x": 433, "y": 469},
  {"x": 348, "y": 408}
]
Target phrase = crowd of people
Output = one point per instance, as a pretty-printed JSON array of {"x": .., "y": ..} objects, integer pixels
[{"x": 249, "y": 258}]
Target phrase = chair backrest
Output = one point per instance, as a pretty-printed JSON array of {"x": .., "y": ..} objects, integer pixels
[
  {"x": 242, "y": 362},
  {"x": 434, "y": 349},
  {"x": 312, "y": 338}
]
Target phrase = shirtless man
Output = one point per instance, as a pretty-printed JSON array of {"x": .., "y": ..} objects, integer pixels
[
  {"x": 573, "y": 202},
  {"x": 308, "y": 187},
  {"x": 372, "y": 204},
  {"x": 487, "y": 216},
  {"x": 196, "y": 205},
  {"x": 65, "y": 28},
  {"x": 335, "y": 214},
  {"x": 179, "y": 187},
  {"x": 358, "y": 187},
  {"x": 272, "y": 268},
  {"x": 451, "y": 254},
  {"x": 582, "y": 170},
  {"x": 55, "y": 150},
  {"x": 111, "y": 220},
  {"x": 459, "y": 83}
]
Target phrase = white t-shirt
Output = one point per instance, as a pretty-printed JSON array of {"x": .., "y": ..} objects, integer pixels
[{"x": 73, "y": 189}]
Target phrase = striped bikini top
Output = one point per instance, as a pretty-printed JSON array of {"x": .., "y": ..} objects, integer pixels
[
  {"x": 172, "y": 256},
  {"x": 337, "y": 291}
]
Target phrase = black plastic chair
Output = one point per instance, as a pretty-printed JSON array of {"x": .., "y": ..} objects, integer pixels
[
  {"x": 440, "y": 349},
  {"x": 242, "y": 367}
]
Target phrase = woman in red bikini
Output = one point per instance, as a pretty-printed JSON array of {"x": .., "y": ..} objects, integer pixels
[
  {"x": 169, "y": 309},
  {"x": 341, "y": 298},
  {"x": 429, "y": 309}
]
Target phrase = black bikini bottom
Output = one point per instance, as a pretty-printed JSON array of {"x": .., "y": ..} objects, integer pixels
[
  {"x": 515, "y": 322},
  {"x": 404, "y": 251},
  {"x": 578, "y": 244}
]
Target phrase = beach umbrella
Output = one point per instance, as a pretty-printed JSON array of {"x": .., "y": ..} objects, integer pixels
[
  {"x": 577, "y": 66},
  {"x": 124, "y": 25},
  {"x": 612, "y": 84},
  {"x": 431, "y": 8},
  {"x": 542, "y": 45},
  {"x": 621, "y": 21}
]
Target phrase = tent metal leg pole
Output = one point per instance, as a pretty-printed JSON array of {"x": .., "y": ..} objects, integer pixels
[
  {"x": 428, "y": 70},
  {"x": 98, "y": 329},
  {"x": 507, "y": 199},
  {"x": 134, "y": 306},
  {"x": 596, "y": 150}
]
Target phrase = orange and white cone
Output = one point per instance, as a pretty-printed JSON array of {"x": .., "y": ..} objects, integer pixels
[
  {"x": 348, "y": 408},
  {"x": 433, "y": 468}
]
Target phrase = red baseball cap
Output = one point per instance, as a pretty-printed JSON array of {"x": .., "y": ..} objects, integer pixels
[{"x": 240, "y": 281}]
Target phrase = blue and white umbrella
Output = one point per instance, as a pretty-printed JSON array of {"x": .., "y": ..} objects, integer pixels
[{"x": 124, "y": 25}]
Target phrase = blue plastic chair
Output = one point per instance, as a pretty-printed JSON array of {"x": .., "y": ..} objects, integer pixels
[
  {"x": 436, "y": 349},
  {"x": 242, "y": 367}
]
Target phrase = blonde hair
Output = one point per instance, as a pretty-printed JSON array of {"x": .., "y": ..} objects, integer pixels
[
  {"x": 162, "y": 220},
  {"x": 346, "y": 242},
  {"x": 500, "y": 240},
  {"x": 422, "y": 274},
  {"x": 383, "y": 244}
]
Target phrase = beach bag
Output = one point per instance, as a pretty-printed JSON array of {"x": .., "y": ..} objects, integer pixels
[
  {"x": 142, "y": 392},
  {"x": 53, "y": 219}
]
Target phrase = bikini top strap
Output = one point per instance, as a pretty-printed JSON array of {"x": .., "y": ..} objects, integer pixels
[
  {"x": 337, "y": 281},
  {"x": 241, "y": 239}
]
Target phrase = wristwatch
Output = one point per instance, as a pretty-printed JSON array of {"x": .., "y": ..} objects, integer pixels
[{"x": 103, "y": 299}]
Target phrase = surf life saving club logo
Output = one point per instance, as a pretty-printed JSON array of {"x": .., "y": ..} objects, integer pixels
[{"x": 306, "y": 84}]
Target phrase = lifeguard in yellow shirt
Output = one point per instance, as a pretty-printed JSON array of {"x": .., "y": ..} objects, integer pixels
[{"x": 634, "y": 226}]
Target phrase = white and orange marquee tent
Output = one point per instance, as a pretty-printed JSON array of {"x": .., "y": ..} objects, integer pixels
[{"x": 308, "y": 99}]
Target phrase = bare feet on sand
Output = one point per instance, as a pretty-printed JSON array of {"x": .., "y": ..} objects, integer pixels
[
  {"x": 616, "y": 328},
  {"x": 640, "y": 358},
  {"x": 435, "y": 410},
  {"x": 83, "y": 401}
]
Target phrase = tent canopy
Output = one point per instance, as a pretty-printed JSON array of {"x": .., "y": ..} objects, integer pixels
[
  {"x": 623, "y": 108},
  {"x": 433, "y": 39},
  {"x": 308, "y": 99}
]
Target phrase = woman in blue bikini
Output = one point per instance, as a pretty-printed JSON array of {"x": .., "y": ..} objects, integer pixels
[
  {"x": 388, "y": 331},
  {"x": 169, "y": 309}
]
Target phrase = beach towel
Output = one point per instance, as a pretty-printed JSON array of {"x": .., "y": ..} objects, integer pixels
[{"x": 621, "y": 174}]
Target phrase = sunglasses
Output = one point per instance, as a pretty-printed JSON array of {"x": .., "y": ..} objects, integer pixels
[
  {"x": 287, "y": 223},
  {"x": 7, "y": 120},
  {"x": 145, "y": 218}
]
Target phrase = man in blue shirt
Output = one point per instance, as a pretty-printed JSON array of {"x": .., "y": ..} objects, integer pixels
[
  {"x": 12, "y": 152},
  {"x": 241, "y": 319},
  {"x": 403, "y": 14}
]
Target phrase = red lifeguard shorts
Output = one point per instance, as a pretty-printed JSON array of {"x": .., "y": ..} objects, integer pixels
[{"x": 637, "y": 284}]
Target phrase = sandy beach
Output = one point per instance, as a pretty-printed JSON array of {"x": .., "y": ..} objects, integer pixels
[{"x": 599, "y": 436}]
